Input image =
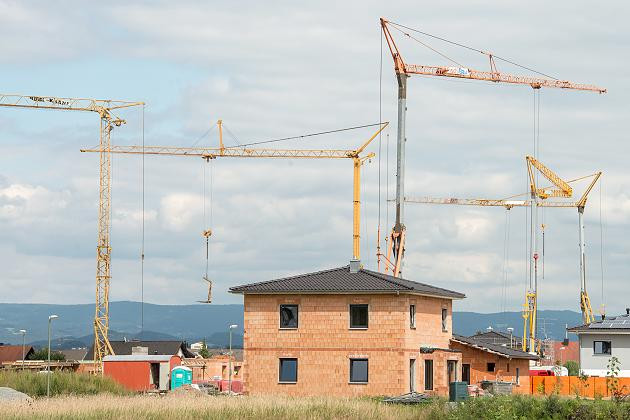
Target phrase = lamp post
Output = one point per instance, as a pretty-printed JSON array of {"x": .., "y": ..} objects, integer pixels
[
  {"x": 50, "y": 318},
  {"x": 23, "y": 332},
  {"x": 233, "y": 326}
]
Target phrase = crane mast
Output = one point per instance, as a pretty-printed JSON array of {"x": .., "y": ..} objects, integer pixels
[
  {"x": 396, "y": 240},
  {"x": 108, "y": 121}
]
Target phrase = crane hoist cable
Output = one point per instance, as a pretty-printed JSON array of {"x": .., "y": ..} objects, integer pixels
[
  {"x": 142, "y": 245},
  {"x": 207, "y": 231}
]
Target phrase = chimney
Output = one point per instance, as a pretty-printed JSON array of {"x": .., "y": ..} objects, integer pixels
[{"x": 355, "y": 265}]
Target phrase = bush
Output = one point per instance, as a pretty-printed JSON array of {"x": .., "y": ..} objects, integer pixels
[
  {"x": 42, "y": 354},
  {"x": 529, "y": 407},
  {"x": 573, "y": 367},
  {"x": 61, "y": 383}
]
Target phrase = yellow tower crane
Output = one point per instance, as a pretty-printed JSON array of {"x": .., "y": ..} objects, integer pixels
[
  {"x": 538, "y": 199},
  {"x": 222, "y": 151},
  {"x": 104, "y": 108}
]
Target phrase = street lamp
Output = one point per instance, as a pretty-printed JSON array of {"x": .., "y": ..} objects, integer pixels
[
  {"x": 511, "y": 330},
  {"x": 233, "y": 326},
  {"x": 23, "y": 332},
  {"x": 50, "y": 318}
]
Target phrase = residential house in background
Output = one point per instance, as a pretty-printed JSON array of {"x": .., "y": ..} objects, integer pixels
[
  {"x": 491, "y": 336},
  {"x": 11, "y": 354},
  {"x": 216, "y": 368},
  {"x": 600, "y": 340},
  {"x": 347, "y": 332},
  {"x": 482, "y": 361}
]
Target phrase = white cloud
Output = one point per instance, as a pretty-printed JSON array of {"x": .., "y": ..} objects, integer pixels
[{"x": 179, "y": 211}]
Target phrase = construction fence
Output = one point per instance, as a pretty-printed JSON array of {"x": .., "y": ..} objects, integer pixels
[{"x": 588, "y": 387}]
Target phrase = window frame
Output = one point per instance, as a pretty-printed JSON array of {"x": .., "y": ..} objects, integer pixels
[
  {"x": 280, "y": 359},
  {"x": 603, "y": 353},
  {"x": 444, "y": 319},
  {"x": 518, "y": 376},
  {"x": 494, "y": 367},
  {"x": 428, "y": 374},
  {"x": 367, "y": 370},
  {"x": 412, "y": 316},
  {"x": 297, "y": 316},
  {"x": 367, "y": 320}
]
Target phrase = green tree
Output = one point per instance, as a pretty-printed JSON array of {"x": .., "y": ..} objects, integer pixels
[
  {"x": 573, "y": 367},
  {"x": 204, "y": 350},
  {"x": 42, "y": 354}
]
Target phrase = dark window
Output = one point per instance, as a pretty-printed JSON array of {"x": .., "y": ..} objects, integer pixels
[
  {"x": 466, "y": 373},
  {"x": 490, "y": 367},
  {"x": 602, "y": 347},
  {"x": 412, "y": 316},
  {"x": 428, "y": 375},
  {"x": 518, "y": 376},
  {"x": 358, "y": 316},
  {"x": 359, "y": 370},
  {"x": 288, "y": 370},
  {"x": 288, "y": 316},
  {"x": 508, "y": 367},
  {"x": 444, "y": 315}
]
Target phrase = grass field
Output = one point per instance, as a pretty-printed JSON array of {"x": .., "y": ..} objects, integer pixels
[
  {"x": 221, "y": 407},
  {"x": 61, "y": 383}
]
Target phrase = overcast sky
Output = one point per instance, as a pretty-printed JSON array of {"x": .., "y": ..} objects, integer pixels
[{"x": 294, "y": 68}]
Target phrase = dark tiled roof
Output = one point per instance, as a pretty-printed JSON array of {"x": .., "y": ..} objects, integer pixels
[
  {"x": 493, "y": 348},
  {"x": 341, "y": 280},
  {"x": 169, "y": 348},
  {"x": 74, "y": 354},
  {"x": 495, "y": 337},
  {"x": 615, "y": 323},
  {"x": 13, "y": 353}
]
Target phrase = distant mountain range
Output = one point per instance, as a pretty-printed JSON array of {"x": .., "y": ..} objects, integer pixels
[
  {"x": 192, "y": 323},
  {"x": 74, "y": 327}
]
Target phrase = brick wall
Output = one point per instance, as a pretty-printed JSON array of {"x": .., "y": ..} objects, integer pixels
[
  {"x": 323, "y": 343},
  {"x": 479, "y": 359}
]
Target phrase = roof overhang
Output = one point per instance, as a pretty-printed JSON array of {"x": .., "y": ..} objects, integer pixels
[
  {"x": 487, "y": 350},
  {"x": 599, "y": 331},
  {"x": 347, "y": 292}
]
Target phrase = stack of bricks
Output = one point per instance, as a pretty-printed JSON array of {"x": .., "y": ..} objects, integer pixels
[{"x": 324, "y": 344}]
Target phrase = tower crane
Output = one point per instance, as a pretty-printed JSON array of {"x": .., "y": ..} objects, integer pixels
[
  {"x": 222, "y": 151},
  {"x": 105, "y": 109},
  {"x": 403, "y": 70},
  {"x": 562, "y": 190}
]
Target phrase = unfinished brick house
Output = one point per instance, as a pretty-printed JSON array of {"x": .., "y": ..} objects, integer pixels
[
  {"x": 482, "y": 361},
  {"x": 347, "y": 332}
]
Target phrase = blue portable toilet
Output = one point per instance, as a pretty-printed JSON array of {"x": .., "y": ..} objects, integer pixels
[{"x": 180, "y": 375}]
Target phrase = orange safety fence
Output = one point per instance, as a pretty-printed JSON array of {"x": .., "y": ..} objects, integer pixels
[{"x": 589, "y": 387}]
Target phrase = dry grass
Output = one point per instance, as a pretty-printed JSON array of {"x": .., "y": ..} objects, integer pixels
[{"x": 207, "y": 407}]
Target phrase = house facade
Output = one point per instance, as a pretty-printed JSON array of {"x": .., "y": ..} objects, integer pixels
[
  {"x": 601, "y": 340},
  {"x": 347, "y": 332},
  {"x": 482, "y": 361}
]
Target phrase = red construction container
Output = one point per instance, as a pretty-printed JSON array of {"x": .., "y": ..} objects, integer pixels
[{"x": 141, "y": 372}]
